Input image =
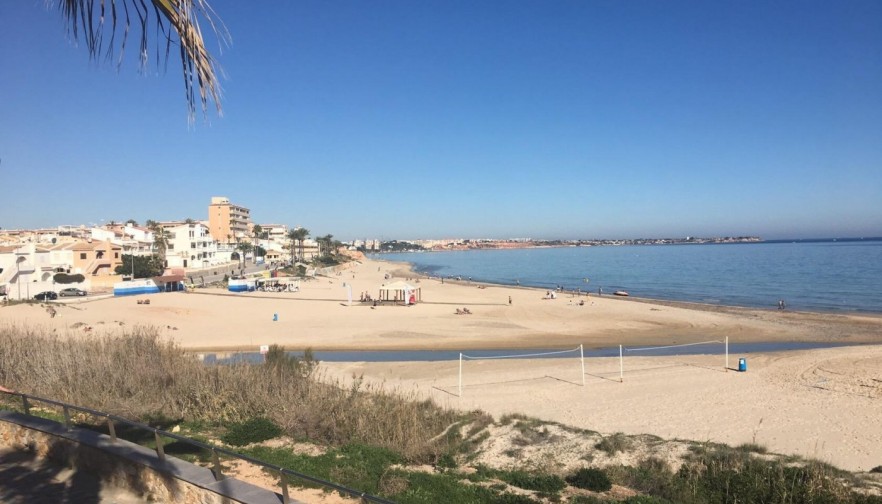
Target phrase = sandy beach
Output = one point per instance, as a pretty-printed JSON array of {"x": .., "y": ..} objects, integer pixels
[
  {"x": 318, "y": 316},
  {"x": 820, "y": 403}
]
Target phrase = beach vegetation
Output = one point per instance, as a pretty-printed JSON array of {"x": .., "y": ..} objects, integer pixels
[
  {"x": 136, "y": 373},
  {"x": 752, "y": 447},
  {"x": 614, "y": 443},
  {"x": 396, "y": 445},
  {"x": 253, "y": 430},
  {"x": 877, "y": 469},
  {"x": 590, "y": 478}
]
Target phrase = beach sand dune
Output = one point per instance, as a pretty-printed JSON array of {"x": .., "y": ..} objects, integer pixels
[{"x": 823, "y": 404}]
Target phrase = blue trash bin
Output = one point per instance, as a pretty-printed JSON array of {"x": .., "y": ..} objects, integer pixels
[{"x": 742, "y": 364}]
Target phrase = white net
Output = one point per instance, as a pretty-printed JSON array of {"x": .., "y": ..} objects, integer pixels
[
  {"x": 551, "y": 364},
  {"x": 710, "y": 355}
]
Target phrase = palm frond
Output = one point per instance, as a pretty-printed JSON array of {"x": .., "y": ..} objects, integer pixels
[{"x": 176, "y": 23}]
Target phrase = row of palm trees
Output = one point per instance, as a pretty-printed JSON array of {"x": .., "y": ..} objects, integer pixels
[{"x": 326, "y": 244}]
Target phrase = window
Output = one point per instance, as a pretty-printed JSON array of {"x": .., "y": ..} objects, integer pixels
[
  {"x": 116, "y": 255},
  {"x": 171, "y": 246},
  {"x": 82, "y": 255}
]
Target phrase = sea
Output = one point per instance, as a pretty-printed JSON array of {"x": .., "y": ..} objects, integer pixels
[{"x": 835, "y": 275}]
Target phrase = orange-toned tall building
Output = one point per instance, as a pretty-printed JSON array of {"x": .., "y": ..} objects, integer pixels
[{"x": 226, "y": 221}]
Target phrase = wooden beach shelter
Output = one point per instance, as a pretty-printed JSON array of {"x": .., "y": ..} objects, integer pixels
[{"x": 400, "y": 292}]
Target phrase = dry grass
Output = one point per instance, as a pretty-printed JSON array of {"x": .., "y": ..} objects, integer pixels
[{"x": 138, "y": 374}]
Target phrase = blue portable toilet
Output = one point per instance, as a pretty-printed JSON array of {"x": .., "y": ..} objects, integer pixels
[
  {"x": 275, "y": 317},
  {"x": 742, "y": 364}
]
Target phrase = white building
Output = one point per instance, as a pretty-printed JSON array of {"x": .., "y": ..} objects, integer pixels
[{"x": 190, "y": 245}]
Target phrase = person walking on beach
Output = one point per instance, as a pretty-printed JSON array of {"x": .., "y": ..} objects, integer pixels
[{"x": 509, "y": 300}]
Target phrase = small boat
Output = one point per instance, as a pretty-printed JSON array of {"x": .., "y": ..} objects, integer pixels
[{"x": 620, "y": 293}]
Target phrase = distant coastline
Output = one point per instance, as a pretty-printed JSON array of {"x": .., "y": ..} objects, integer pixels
[{"x": 397, "y": 246}]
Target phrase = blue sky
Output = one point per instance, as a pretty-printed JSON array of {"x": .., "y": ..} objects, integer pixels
[{"x": 392, "y": 119}]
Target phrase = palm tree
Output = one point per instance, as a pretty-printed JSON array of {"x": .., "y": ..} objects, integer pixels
[
  {"x": 182, "y": 16},
  {"x": 292, "y": 239},
  {"x": 244, "y": 248},
  {"x": 160, "y": 238},
  {"x": 329, "y": 244},
  {"x": 256, "y": 231},
  {"x": 302, "y": 234}
]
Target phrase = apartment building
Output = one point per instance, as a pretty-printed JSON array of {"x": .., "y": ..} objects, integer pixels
[
  {"x": 228, "y": 222},
  {"x": 190, "y": 245}
]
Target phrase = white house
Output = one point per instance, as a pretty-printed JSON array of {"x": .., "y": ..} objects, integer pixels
[{"x": 190, "y": 245}]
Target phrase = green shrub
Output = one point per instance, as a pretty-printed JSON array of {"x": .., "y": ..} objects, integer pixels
[
  {"x": 877, "y": 469},
  {"x": 446, "y": 461},
  {"x": 548, "y": 483},
  {"x": 64, "y": 278},
  {"x": 586, "y": 499},
  {"x": 645, "y": 499},
  {"x": 614, "y": 444},
  {"x": 752, "y": 447},
  {"x": 590, "y": 479},
  {"x": 251, "y": 431}
]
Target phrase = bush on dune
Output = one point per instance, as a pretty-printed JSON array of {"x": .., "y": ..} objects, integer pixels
[{"x": 138, "y": 374}]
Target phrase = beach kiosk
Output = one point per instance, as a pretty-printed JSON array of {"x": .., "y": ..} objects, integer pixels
[
  {"x": 400, "y": 292},
  {"x": 242, "y": 285},
  {"x": 155, "y": 285}
]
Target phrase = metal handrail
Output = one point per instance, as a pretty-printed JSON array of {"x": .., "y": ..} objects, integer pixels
[{"x": 215, "y": 451}]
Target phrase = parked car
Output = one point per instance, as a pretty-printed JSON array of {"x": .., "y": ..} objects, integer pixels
[
  {"x": 71, "y": 291},
  {"x": 46, "y": 296}
]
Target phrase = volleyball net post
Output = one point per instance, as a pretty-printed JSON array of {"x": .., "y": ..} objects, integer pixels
[
  {"x": 727, "y": 354},
  {"x": 621, "y": 366},
  {"x": 582, "y": 359},
  {"x": 460, "y": 374}
]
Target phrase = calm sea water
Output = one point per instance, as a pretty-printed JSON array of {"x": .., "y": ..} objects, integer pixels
[{"x": 817, "y": 276}]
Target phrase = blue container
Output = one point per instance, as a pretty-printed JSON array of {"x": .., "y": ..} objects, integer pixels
[
  {"x": 275, "y": 317},
  {"x": 742, "y": 364}
]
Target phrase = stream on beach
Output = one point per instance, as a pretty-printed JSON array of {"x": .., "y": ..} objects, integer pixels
[{"x": 708, "y": 348}]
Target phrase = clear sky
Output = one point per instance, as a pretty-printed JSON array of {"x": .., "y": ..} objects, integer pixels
[{"x": 403, "y": 119}]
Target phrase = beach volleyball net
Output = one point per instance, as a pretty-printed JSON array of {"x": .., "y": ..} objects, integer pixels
[
  {"x": 713, "y": 354},
  {"x": 530, "y": 367}
]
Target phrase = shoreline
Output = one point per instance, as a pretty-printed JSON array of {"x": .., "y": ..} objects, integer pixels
[
  {"x": 319, "y": 317},
  {"x": 686, "y": 303}
]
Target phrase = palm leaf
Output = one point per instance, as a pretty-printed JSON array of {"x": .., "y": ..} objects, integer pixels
[{"x": 176, "y": 21}]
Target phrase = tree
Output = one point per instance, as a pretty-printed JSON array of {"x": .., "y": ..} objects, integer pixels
[
  {"x": 145, "y": 266},
  {"x": 244, "y": 247},
  {"x": 326, "y": 247},
  {"x": 298, "y": 235},
  {"x": 132, "y": 222},
  {"x": 160, "y": 238},
  {"x": 256, "y": 230},
  {"x": 163, "y": 16}
]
